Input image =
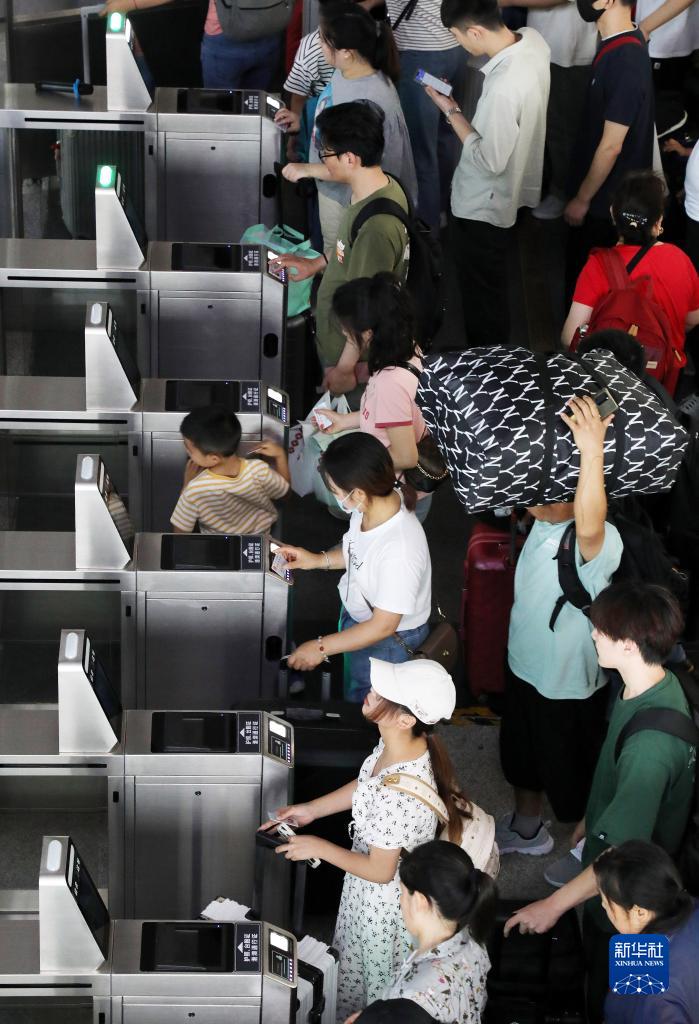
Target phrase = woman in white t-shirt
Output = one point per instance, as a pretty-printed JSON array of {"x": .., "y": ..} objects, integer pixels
[
  {"x": 385, "y": 589},
  {"x": 377, "y": 318}
]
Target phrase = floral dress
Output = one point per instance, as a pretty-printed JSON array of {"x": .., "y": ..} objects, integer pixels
[
  {"x": 447, "y": 981},
  {"x": 370, "y": 935}
]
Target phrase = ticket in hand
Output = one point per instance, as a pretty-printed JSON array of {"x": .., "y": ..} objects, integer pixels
[{"x": 321, "y": 420}]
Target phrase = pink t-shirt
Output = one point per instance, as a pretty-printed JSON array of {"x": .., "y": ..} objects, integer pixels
[
  {"x": 389, "y": 401},
  {"x": 212, "y": 26}
]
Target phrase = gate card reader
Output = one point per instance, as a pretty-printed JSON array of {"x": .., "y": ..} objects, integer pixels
[
  {"x": 73, "y": 920},
  {"x": 126, "y": 89},
  {"x": 119, "y": 237}
]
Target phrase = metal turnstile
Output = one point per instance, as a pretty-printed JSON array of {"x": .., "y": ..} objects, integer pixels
[
  {"x": 140, "y": 972},
  {"x": 132, "y": 424}
]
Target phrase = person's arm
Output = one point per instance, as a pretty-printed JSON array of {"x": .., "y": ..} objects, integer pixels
[
  {"x": 692, "y": 320},
  {"x": 379, "y": 627},
  {"x": 278, "y": 455},
  {"x": 185, "y": 514},
  {"x": 606, "y": 155},
  {"x": 542, "y": 915},
  {"x": 403, "y": 447},
  {"x": 377, "y": 866},
  {"x": 590, "y": 496},
  {"x": 300, "y": 558},
  {"x": 661, "y": 15},
  {"x": 300, "y": 267},
  {"x": 578, "y": 315},
  {"x": 342, "y": 377},
  {"x": 450, "y": 108},
  {"x": 294, "y": 172},
  {"x": 340, "y": 421}
]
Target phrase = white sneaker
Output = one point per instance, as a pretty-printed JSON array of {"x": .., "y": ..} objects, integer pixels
[
  {"x": 566, "y": 868},
  {"x": 550, "y": 208}
]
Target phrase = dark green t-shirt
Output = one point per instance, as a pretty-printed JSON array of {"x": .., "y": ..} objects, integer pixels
[
  {"x": 647, "y": 793},
  {"x": 380, "y": 245}
]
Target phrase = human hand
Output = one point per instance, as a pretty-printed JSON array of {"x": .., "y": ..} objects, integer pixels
[
  {"x": 586, "y": 425},
  {"x": 535, "y": 918},
  {"x": 673, "y": 146},
  {"x": 354, "y": 1017},
  {"x": 300, "y": 268},
  {"x": 288, "y": 121},
  {"x": 575, "y": 212},
  {"x": 337, "y": 420},
  {"x": 300, "y": 558},
  {"x": 118, "y": 7},
  {"x": 439, "y": 99},
  {"x": 302, "y": 848},
  {"x": 306, "y": 657},
  {"x": 294, "y": 172},
  {"x": 296, "y": 815},
  {"x": 191, "y": 470},
  {"x": 269, "y": 449}
]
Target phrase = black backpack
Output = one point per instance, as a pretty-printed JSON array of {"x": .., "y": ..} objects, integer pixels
[
  {"x": 644, "y": 557},
  {"x": 424, "y": 279},
  {"x": 674, "y": 723}
]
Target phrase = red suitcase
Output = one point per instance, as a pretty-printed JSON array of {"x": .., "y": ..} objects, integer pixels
[{"x": 486, "y": 601}]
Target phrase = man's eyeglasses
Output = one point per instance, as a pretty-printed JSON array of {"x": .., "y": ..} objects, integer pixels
[{"x": 323, "y": 156}]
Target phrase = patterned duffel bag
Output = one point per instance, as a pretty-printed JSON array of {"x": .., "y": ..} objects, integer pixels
[{"x": 494, "y": 413}]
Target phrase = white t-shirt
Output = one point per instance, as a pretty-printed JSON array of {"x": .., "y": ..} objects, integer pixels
[
  {"x": 676, "y": 38},
  {"x": 691, "y": 185},
  {"x": 388, "y": 568},
  {"x": 572, "y": 41}
]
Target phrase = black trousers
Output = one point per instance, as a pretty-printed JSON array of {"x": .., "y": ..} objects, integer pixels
[{"x": 479, "y": 253}]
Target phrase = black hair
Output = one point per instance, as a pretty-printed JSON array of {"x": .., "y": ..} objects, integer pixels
[
  {"x": 378, "y": 304},
  {"x": 347, "y": 26},
  {"x": 359, "y": 460},
  {"x": 637, "y": 205},
  {"x": 645, "y": 613},
  {"x": 213, "y": 429},
  {"x": 462, "y": 14},
  {"x": 444, "y": 873},
  {"x": 355, "y": 127},
  {"x": 629, "y": 352},
  {"x": 641, "y": 874}
]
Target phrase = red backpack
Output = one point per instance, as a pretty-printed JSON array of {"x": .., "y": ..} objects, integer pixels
[{"x": 629, "y": 306}]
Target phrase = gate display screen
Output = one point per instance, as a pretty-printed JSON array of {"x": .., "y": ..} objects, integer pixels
[{"x": 88, "y": 899}]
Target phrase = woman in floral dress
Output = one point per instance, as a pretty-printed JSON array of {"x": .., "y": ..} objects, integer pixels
[
  {"x": 405, "y": 701},
  {"x": 449, "y": 908}
]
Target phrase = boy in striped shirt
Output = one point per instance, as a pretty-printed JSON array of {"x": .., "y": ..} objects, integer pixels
[{"x": 223, "y": 492}]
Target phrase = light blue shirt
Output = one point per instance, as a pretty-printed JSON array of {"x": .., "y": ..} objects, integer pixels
[{"x": 562, "y": 663}]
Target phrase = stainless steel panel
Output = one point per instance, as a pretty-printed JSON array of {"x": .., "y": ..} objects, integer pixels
[
  {"x": 165, "y": 279},
  {"x": 274, "y": 624},
  {"x": 179, "y": 1012},
  {"x": 212, "y": 186},
  {"x": 102, "y": 529},
  {"x": 180, "y": 851},
  {"x": 126, "y": 89},
  {"x": 19, "y": 967},
  {"x": 172, "y": 583},
  {"x": 116, "y": 814},
  {"x": 209, "y": 336},
  {"x": 21, "y": 106},
  {"x": 116, "y": 245},
  {"x": 273, "y": 331},
  {"x": 32, "y": 262},
  {"x": 176, "y": 630},
  {"x": 66, "y": 942},
  {"x": 82, "y": 723}
]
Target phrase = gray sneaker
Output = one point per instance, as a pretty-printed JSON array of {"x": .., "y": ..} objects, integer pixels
[
  {"x": 510, "y": 841},
  {"x": 566, "y": 868}
]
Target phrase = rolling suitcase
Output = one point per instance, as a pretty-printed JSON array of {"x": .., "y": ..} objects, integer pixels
[
  {"x": 535, "y": 979},
  {"x": 489, "y": 574}
]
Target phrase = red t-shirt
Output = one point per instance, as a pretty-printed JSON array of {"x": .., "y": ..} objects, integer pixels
[{"x": 675, "y": 282}]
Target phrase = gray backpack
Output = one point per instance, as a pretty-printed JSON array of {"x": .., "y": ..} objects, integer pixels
[{"x": 246, "y": 20}]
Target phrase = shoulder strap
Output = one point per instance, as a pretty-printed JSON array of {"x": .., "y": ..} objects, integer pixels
[
  {"x": 615, "y": 269},
  {"x": 635, "y": 260},
  {"x": 568, "y": 579},
  {"x": 413, "y": 369},
  {"x": 667, "y": 720},
  {"x": 614, "y": 44},
  {"x": 374, "y": 209},
  {"x": 406, "y": 13},
  {"x": 403, "y": 782}
]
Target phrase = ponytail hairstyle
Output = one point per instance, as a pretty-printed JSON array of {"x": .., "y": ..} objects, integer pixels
[
  {"x": 637, "y": 205},
  {"x": 378, "y": 304},
  {"x": 641, "y": 874},
  {"x": 445, "y": 875},
  {"x": 457, "y": 803},
  {"x": 347, "y": 26},
  {"x": 359, "y": 460}
]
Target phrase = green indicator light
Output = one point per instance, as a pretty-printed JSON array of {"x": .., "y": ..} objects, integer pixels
[
  {"x": 116, "y": 22},
  {"x": 106, "y": 175}
]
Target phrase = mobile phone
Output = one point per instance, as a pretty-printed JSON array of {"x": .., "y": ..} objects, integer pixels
[
  {"x": 605, "y": 403},
  {"x": 425, "y": 78}
]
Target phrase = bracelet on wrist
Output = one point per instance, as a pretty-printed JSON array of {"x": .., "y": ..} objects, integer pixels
[
  {"x": 327, "y": 560},
  {"x": 322, "y": 649},
  {"x": 449, "y": 113}
]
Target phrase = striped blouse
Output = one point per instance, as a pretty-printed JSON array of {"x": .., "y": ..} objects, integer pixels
[{"x": 231, "y": 504}]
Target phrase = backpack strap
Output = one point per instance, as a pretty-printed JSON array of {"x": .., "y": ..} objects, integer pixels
[
  {"x": 568, "y": 579},
  {"x": 375, "y": 208},
  {"x": 614, "y": 44},
  {"x": 614, "y": 268},
  {"x": 402, "y": 782},
  {"x": 667, "y": 720},
  {"x": 635, "y": 260},
  {"x": 413, "y": 369},
  {"x": 406, "y": 13}
]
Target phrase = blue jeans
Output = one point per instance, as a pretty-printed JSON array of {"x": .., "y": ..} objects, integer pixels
[
  {"x": 434, "y": 144},
  {"x": 227, "y": 64},
  {"x": 387, "y": 650}
]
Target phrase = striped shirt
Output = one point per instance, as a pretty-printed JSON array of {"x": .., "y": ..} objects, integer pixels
[
  {"x": 423, "y": 30},
  {"x": 309, "y": 73},
  {"x": 231, "y": 504}
]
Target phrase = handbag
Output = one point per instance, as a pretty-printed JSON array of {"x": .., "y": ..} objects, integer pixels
[
  {"x": 431, "y": 469},
  {"x": 477, "y": 831},
  {"x": 281, "y": 239}
]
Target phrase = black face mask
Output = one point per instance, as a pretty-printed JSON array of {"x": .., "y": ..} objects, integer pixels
[{"x": 587, "y": 12}]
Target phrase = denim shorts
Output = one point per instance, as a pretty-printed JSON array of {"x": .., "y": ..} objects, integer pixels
[{"x": 359, "y": 682}]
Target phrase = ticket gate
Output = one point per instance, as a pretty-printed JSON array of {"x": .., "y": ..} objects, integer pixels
[
  {"x": 172, "y": 798},
  {"x": 207, "y": 156},
  {"x": 132, "y": 424},
  {"x": 194, "y": 310},
  {"x": 141, "y": 972}
]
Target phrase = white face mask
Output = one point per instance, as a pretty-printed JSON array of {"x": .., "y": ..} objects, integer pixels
[{"x": 341, "y": 503}]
